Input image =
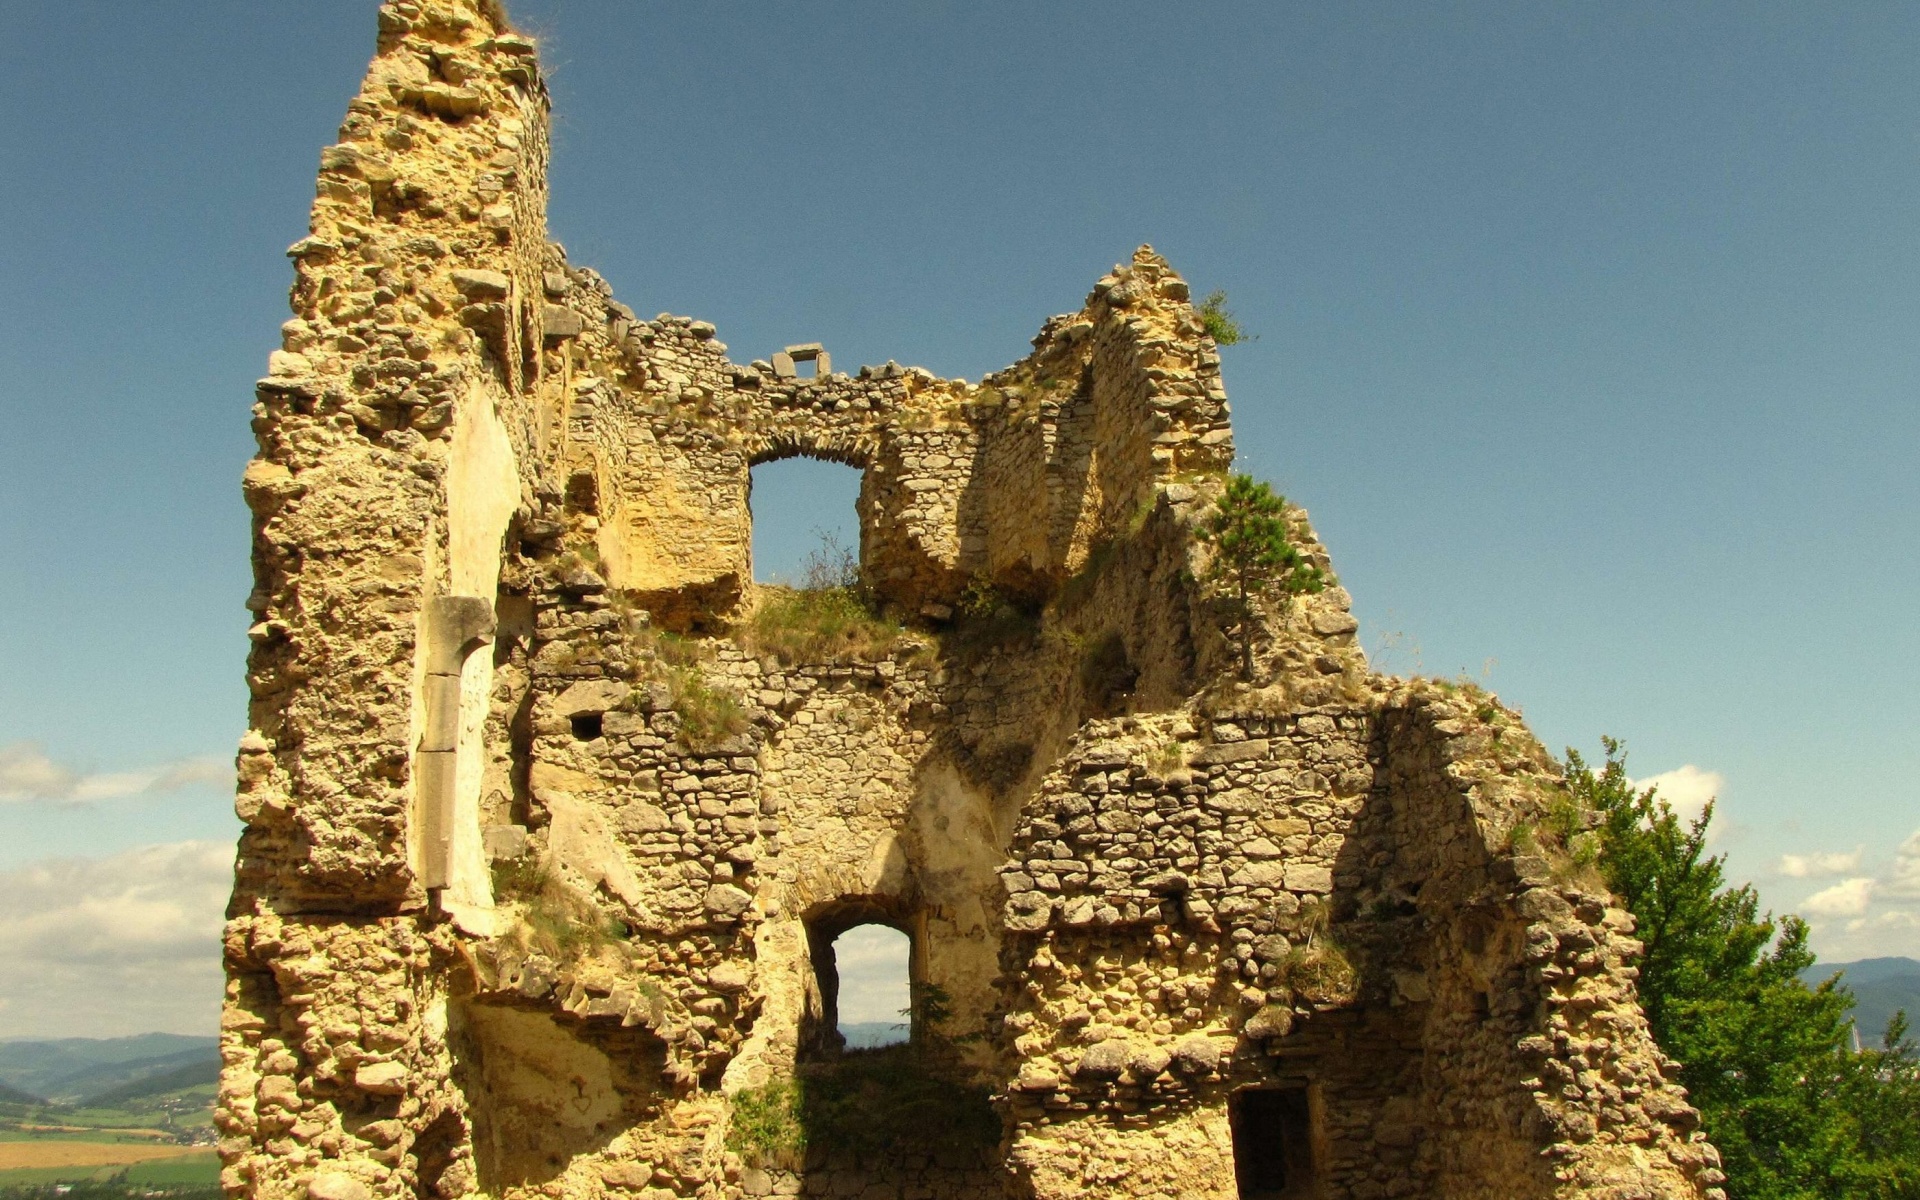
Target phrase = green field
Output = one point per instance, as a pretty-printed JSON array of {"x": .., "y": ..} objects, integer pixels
[
  {"x": 182, "y": 1113},
  {"x": 74, "y": 1111},
  {"x": 197, "y": 1170}
]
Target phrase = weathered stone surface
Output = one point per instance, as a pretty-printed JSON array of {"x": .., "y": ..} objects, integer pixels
[
  {"x": 1231, "y": 752},
  {"x": 481, "y": 285},
  {"x": 1135, "y": 884},
  {"x": 337, "y": 1185},
  {"x": 729, "y": 977},
  {"x": 1271, "y": 1021},
  {"x": 382, "y": 1078},
  {"x": 558, "y": 321},
  {"x": 1103, "y": 1061},
  {"x": 505, "y": 841},
  {"x": 1196, "y": 1055},
  {"x": 725, "y": 900},
  {"x": 591, "y": 696}
]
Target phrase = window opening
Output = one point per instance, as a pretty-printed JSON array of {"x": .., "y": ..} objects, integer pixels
[
  {"x": 587, "y": 726},
  {"x": 866, "y": 987},
  {"x": 1272, "y": 1143},
  {"x": 811, "y": 355},
  {"x": 806, "y": 532}
]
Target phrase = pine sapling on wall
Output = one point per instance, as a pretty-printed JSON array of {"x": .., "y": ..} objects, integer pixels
[{"x": 1253, "y": 555}]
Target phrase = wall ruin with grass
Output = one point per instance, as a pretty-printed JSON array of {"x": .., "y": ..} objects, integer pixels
[{"x": 547, "y": 807}]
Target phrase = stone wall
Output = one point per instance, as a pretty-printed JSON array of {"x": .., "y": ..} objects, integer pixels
[{"x": 546, "y": 836}]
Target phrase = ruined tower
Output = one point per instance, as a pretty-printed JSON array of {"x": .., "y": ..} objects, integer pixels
[{"x": 552, "y": 815}]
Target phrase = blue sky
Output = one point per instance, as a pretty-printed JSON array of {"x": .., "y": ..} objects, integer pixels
[{"x": 1586, "y": 334}]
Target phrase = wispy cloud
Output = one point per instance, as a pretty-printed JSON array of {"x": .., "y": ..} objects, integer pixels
[
  {"x": 1818, "y": 865},
  {"x": 118, "y": 945},
  {"x": 1687, "y": 789},
  {"x": 28, "y": 774},
  {"x": 1893, "y": 919}
]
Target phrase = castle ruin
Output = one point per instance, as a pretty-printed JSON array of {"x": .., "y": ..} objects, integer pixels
[{"x": 551, "y": 822}]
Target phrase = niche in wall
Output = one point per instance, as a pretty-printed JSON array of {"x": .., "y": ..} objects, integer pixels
[{"x": 542, "y": 1090}]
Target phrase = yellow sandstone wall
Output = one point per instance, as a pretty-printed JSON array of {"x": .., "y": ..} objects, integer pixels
[{"x": 546, "y": 838}]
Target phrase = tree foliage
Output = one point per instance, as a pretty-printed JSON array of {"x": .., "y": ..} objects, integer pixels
[
  {"x": 1769, "y": 1061},
  {"x": 1219, "y": 323},
  {"x": 1254, "y": 555}
]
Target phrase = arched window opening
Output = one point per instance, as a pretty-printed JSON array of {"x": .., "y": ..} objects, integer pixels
[
  {"x": 864, "y": 973},
  {"x": 876, "y": 990},
  {"x": 806, "y": 532}
]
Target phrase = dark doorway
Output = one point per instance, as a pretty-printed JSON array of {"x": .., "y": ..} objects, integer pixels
[{"x": 1273, "y": 1143}]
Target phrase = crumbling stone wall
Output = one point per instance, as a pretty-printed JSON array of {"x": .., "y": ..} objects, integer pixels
[{"x": 542, "y": 846}]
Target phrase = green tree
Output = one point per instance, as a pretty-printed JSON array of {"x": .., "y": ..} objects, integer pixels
[
  {"x": 1253, "y": 555},
  {"x": 1767, "y": 1059}
]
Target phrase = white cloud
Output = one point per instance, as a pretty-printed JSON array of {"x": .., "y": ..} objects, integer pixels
[
  {"x": 1687, "y": 788},
  {"x": 1848, "y": 898},
  {"x": 1854, "y": 919},
  {"x": 112, "y": 946},
  {"x": 1897, "y": 918},
  {"x": 26, "y": 773},
  {"x": 1884, "y": 934},
  {"x": 1816, "y": 865},
  {"x": 872, "y": 962},
  {"x": 1903, "y": 880}
]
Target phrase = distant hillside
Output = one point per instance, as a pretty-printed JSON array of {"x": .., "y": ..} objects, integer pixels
[
  {"x": 13, "y": 1095},
  {"x": 1880, "y": 987},
  {"x": 863, "y": 1034},
  {"x": 194, "y": 1074},
  {"x": 66, "y": 1070}
]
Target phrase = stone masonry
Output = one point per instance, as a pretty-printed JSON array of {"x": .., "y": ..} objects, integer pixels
[{"x": 544, "y": 848}]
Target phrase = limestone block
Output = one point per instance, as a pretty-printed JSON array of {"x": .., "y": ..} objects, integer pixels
[
  {"x": 443, "y": 99},
  {"x": 1027, "y": 912},
  {"x": 337, "y": 1185},
  {"x": 725, "y": 900},
  {"x": 639, "y": 816},
  {"x": 558, "y": 322},
  {"x": 1147, "y": 1062},
  {"x": 1262, "y": 874},
  {"x": 481, "y": 285},
  {"x": 504, "y": 842},
  {"x": 591, "y": 696},
  {"x": 1308, "y": 877},
  {"x": 1196, "y": 1055},
  {"x": 381, "y": 1078},
  {"x": 550, "y": 780},
  {"x": 1332, "y": 624},
  {"x": 1104, "y": 1060},
  {"x": 729, "y": 977},
  {"x": 1231, "y": 752},
  {"x": 577, "y": 837}
]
